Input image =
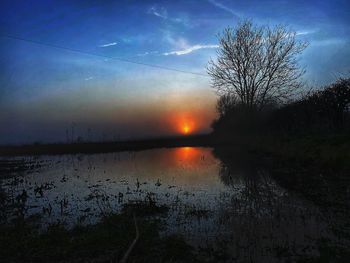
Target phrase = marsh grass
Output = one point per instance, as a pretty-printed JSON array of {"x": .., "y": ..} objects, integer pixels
[
  {"x": 24, "y": 239},
  {"x": 106, "y": 241}
]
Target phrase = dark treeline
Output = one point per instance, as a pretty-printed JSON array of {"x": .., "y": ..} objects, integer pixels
[
  {"x": 258, "y": 78},
  {"x": 324, "y": 111}
]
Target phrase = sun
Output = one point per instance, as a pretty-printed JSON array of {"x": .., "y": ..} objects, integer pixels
[
  {"x": 186, "y": 129},
  {"x": 184, "y": 124}
]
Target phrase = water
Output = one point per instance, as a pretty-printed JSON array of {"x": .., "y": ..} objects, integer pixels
[{"x": 235, "y": 209}]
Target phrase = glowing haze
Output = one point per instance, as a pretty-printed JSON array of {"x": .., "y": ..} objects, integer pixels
[{"x": 49, "y": 94}]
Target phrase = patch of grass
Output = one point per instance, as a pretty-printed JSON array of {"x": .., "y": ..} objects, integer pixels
[
  {"x": 196, "y": 212},
  {"x": 105, "y": 241},
  {"x": 145, "y": 208},
  {"x": 330, "y": 152},
  {"x": 328, "y": 253}
]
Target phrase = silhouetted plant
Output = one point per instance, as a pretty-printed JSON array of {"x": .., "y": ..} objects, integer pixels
[
  {"x": 322, "y": 111},
  {"x": 257, "y": 64}
]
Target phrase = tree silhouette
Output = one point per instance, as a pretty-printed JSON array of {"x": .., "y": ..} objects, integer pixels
[{"x": 257, "y": 64}]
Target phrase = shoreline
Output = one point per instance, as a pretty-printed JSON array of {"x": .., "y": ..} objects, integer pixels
[{"x": 105, "y": 147}]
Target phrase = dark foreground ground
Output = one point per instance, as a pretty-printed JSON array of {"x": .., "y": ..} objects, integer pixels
[{"x": 22, "y": 240}]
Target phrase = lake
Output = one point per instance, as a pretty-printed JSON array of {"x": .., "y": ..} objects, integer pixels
[{"x": 233, "y": 208}]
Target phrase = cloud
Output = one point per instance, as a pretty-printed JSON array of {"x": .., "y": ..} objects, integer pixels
[
  {"x": 175, "y": 42},
  {"x": 89, "y": 78},
  {"x": 109, "y": 44},
  {"x": 189, "y": 50},
  {"x": 163, "y": 13},
  {"x": 223, "y": 7},
  {"x": 302, "y": 33},
  {"x": 159, "y": 12},
  {"x": 147, "y": 53}
]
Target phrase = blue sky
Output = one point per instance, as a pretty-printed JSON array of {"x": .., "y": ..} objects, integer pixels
[{"x": 46, "y": 90}]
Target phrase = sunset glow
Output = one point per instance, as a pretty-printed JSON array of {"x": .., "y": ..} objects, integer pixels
[
  {"x": 155, "y": 94},
  {"x": 186, "y": 129},
  {"x": 189, "y": 122},
  {"x": 187, "y": 126}
]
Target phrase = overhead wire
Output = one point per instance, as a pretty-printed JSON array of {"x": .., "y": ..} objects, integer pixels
[{"x": 126, "y": 60}]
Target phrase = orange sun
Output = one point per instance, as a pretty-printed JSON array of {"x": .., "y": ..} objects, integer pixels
[
  {"x": 186, "y": 129},
  {"x": 183, "y": 124}
]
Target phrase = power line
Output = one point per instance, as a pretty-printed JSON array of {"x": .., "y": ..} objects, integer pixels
[{"x": 102, "y": 56}]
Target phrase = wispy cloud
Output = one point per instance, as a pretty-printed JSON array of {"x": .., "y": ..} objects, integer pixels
[
  {"x": 162, "y": 13},
  {"x": 159, "y": 12},
  {"x": 147, "y": 53},
  {"x": 109, "y": 44},
  {"x": 306, "y": 32},
  {"x": 189, "y": 50},
  {"x": 300, "y": 33},
  {"x": 223, "y": 7},
  {"x": 89, "y": 78}
]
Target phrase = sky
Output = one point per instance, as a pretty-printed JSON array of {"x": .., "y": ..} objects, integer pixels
[{"x": 103, "y": 70}]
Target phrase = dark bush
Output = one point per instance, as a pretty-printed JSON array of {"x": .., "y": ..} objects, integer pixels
[{"x": 323, "y": 111}]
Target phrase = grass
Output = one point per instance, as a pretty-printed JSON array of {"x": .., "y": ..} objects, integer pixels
[
  {"x": 107, "y": 241},
  {"x": 330, "y": 152},
  {"x": 327, "y": 152}
]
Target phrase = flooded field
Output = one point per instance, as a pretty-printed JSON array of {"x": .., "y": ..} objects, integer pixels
[{"x": 234, "y": 211}]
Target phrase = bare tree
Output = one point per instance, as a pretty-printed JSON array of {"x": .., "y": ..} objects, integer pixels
[{"x": 257, "y": 64}]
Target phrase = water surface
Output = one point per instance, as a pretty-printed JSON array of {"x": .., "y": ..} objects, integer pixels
[{"x": 235, "y": 209}]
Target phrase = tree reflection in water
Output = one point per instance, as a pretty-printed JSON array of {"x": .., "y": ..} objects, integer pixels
[{"x": 264, "y": 221}]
